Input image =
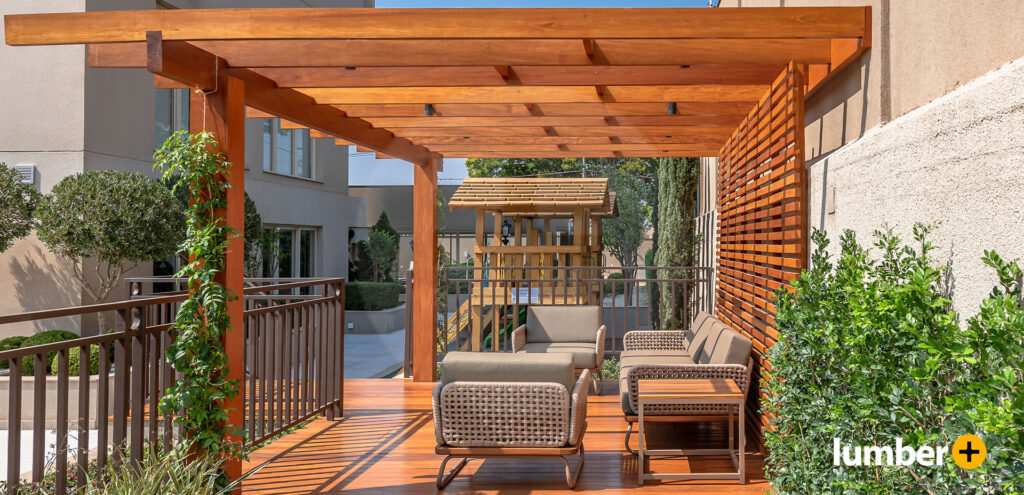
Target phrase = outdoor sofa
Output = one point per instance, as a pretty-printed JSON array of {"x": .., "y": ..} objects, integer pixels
[
  {"x": 492, "y": 404},
  {"x": 573, "y": 329},
  {"x": 709, "y": 349}
]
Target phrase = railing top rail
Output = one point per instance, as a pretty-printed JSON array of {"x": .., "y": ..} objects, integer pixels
[
  {"x": 308, "y": 282},
  {"x": 89, "y": 309},
  {"x": 603, "y": 267}
]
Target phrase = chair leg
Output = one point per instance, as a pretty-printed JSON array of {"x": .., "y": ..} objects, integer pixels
[
  {"x": 596, "y": 384},
  {"x": 572, "y": 477},
  {"x": 629, "y": 431},
  {"x": 443, "y": 479}
]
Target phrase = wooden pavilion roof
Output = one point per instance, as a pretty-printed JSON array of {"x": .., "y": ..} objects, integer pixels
[
  {"x": 419, "y": 84},
  {"x": 539, "y": 195}
]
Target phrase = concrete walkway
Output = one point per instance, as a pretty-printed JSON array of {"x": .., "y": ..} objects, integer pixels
[{"x": 373, "y": 355}]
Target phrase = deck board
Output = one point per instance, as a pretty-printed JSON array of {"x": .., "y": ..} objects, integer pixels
[{"x": 385, "y": 444}]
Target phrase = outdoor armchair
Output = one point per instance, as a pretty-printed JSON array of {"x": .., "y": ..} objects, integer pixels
[
  {"x": 491, "y": 404},
  {"x": 710, "y": 349},
  {"x": 576, "y": 330}
]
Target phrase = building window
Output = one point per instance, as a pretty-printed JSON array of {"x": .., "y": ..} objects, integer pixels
[
  {"x": 171, "y": 113},
  {"x": 287, "y": 151},
  {"x": 289, "y": 252}
]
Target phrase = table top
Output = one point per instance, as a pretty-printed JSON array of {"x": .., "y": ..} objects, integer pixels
[{"x": 703, "y": 388}]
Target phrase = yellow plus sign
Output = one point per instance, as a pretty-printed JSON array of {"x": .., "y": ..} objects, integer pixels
[{"x": 968, "y": 451}]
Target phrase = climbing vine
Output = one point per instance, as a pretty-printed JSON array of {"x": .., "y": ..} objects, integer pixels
[{"x": 195, "y": 400}]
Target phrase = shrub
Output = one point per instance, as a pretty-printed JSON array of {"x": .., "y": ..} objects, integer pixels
[
  {"x": 609, "y": 369},
  {"x": 372, "y": 296},
  {"x": 614, "y": 285},
  {"x": 48, "y": 337},
  {"x": 73, "y": 354},
  {"x": 870, "y": 352},
  {"x": 8, "y": 344},
  {"x": 17, "y": 203}
]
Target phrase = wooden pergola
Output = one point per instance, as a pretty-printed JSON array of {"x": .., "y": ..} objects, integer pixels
[{"x": 423, "y": 84}]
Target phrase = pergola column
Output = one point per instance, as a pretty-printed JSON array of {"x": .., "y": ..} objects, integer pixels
[
  {"x": 222, "y": 112},
  {"x": 424, "y": 288}
]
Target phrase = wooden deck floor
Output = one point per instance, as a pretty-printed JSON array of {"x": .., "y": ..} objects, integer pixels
[{"x": 385, "y": 444}]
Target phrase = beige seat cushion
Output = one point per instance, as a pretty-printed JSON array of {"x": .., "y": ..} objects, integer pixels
[
  {"x": 583, "y": 355},
  {"x": 732, "y": 348},
  {"x": 562, "y": 323},
  {"x": 633, "y": 358},
  {"x": 698, "y": 321},
  {"x": 508, "y": 367}
]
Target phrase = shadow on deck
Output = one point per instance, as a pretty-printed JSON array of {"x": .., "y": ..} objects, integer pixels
[{"x": 385, "y": 444}]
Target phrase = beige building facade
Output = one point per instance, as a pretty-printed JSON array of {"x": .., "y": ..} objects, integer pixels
[
  {"x": 63, "y": 118},
  {"x": 927, "y": 127}
]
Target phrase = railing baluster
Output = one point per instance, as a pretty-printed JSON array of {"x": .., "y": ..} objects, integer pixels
[
  {"x": 153, "y": 352},
  {"x": 84, "y": 377},
  {"x": 122, "y": 375},
  {"x": 38, "y": 420},
  {"x": 167, "y": 375},
  {"x": 62, "y": 422},
  {"x": 102, "y": 411},
  {"x": 138, "y": 392},
  {"x": 14, "y": 426}
]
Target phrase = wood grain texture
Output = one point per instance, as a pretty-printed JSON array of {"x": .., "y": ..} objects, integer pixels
[
  {"x": 414, "y": 24},
  {"x": 714, "y": 388},
  {"x": 385, "y": 444},
  {"x": 534, "y": 94},
  {"x": 425, "y": 270},
  {"x": 762, "y": 223}
]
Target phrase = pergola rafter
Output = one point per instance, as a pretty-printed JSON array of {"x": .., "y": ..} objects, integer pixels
[{"x": 420, "y": 84}]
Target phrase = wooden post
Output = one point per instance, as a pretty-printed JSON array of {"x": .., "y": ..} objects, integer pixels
[
  {"x": 424, "y": 365},
  {"x": 223, "y": 113}
]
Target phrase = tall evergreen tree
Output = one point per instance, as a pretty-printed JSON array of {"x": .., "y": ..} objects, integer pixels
[{"x": 678, "y": 179}]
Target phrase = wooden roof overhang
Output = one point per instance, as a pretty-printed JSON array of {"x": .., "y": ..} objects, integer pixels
[
  {"x": 552, "y": 197},
  {"x": 419, "y": 84}
]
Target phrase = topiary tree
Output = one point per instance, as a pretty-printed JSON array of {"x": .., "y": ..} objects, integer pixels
[
  {"x": 117, "y": 219},
  {"x": 677, "y": 235},
  {"x": 17, "y": 203}
]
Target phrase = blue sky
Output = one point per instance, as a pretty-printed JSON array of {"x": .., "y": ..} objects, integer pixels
[{"x": 364, "y": 169}]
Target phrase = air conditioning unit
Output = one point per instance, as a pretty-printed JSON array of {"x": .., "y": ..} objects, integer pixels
[{"x": 27, "y": 171}]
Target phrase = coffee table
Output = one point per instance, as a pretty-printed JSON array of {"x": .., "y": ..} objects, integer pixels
[{"x": 714, "y": 391}]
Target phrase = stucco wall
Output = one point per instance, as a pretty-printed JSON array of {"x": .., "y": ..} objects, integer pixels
[{"x": 958, "y": 160}]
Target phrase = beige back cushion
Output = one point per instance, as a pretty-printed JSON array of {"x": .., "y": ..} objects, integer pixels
[
  {"x": 699, "y": 321},
  {"x": 507, "y": 367},
  {"x": 716, "y": 330},
  {"x": 700, "y": 337},
  {"x": 732, "y": 348},
  {"x": 562, "y": 323}
]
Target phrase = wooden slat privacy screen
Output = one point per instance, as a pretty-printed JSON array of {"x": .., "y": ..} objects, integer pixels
[{"x": 762, "y": 223}]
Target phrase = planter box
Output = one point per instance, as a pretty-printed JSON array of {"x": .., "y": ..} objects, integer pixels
[
  {"x": 383, "y": 321},
  {"x": 50, "y": 413}
]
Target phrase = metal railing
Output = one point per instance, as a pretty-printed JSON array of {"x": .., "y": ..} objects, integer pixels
[
  {"x": 294, "y": 341},
  {"x": 486, "y": 303}
]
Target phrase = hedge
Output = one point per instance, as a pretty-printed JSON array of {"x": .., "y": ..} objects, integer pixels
[
  {"x": 372, "y": 296},
  {"x": 8, "y": 344},
  {"x": 73, "y": 356},
  {"x": 41, "y": 338}
]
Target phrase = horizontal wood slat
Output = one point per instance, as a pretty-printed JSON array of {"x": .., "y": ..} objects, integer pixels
[{"x": 762, "y": 216}]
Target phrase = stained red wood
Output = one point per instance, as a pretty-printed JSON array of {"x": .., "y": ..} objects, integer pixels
[
  {"x": 762, "y": 223},
  {"x": 424, "y": 270},
  {"x": 385, "y": 444},
  {"x": 222, "y": 112}
]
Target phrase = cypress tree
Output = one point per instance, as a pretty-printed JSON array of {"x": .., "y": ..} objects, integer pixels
[{"x": 677, "y": 241}]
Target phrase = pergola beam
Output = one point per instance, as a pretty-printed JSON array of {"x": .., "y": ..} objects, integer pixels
[
  {"x": 645, "y": 120},
  {"x": 716, "y": 133},
  {"x": 576, "y": 154},
  {"x": 536, "y": 94},
  {"x": 740, "y": 108},
  {"x": 423, "y": 24},
  {"x": 190, "y": 65}
]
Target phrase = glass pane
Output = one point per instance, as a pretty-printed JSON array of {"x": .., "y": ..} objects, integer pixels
[
  {"x": 162, "y": 116},
  {"x": 181, "y": 109},
  {"x": 284, "y": 246},
  {"x": 302, "y": 168},
  {"x": 284, "y": 151},
  {"x": 268, "y": 143},
  {"x": 269, "y": 256},
  {"x": 306, "y": 253}
]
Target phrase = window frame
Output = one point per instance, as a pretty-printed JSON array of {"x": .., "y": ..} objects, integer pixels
[{"x": 297, "y": 137}]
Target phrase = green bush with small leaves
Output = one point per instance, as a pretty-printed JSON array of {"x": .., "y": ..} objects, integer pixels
[
  {"x": 73, "y": 358},
  {"x": 609, "y": 369},
  {"x": 8, "y": 344},
  {"x": 28, "y": 366},
  {"x": 17, "y": 205},
  {"x": 615, "y": 285},
  {"x": 372, "y": 296},
  {"x": 870, "y": 351}
]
